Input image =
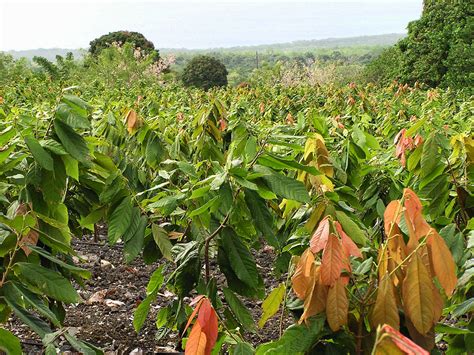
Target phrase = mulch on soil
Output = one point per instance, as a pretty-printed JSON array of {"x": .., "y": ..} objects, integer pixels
[{"x": 114, "y": 291}]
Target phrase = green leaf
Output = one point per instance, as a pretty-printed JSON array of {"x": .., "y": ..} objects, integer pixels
[
  {"x": 283, "y": 186},
  {"x": 51, "y": 283},
  {"x": 262, "y": 217},
  {"x": 205, "y": 207},
  {"x": 134, "y": 245},
  {"x": 464, "y": 308},
  {"x": 241, "y": 312},
  {"x": 86, "y": 274},
  {"x": 156, "y": 280},
  {"x": 7, "y": 135},
  {"x": 120, "y": 220},
  {"x": 140, "y": 314},
  {"x": 36, "y": 324},
  {"x": 271, "y": 304},
  {"x": 279, "y": 163},
  {"x": 297, "y": 339},
  {"x": 72, "y": 142},
  {"x": 242, "y": 349},
  {"x": 9, "y": 343},
  {"x": 72, "y": 166},
  {"x": 241, "y": 261},
  {"x": 39, "y": 153},
  {"x": 447, "y": 329},
  {"x": 429, "y": 156},
  {"x": 17, "y": 291},
  {"x": 351, "y": 228},
  {"x": 160, "y": 235}
]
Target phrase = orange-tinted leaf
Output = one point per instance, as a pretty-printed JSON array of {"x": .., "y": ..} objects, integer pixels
[
  {"x": 442, "y": 262},
  {"x": 320, "y": 237},
  {"x": 315, "y": 301},
  {"x": 417, "y": 294},
  {"x": 385, "y": 310},
  {"x": 392, "y": 216},
  {"x": 350, "y": 248},
  {"x": 332, "y": 262},
  {"x": 438, "y": 304},
  {"x": 387, "y": 334},
  {"x": 132, "y": 121},
  {"x": 199, "y": 300},
  {"x": 337, "y": 306},
  {"x": 416, "y": 224},
  {"x": 196, "y": 344},
  {"x": 207, "y": 319},
  {"x": 301, "y": 280}
]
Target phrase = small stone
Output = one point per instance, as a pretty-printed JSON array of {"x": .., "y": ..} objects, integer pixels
[{"x": 105, "y": 264}]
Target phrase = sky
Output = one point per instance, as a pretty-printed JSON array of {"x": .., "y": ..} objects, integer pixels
[{"x": 198, "y": 24}]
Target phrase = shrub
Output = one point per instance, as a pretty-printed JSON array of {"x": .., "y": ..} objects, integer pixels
[{"x": 204, "y": 72}]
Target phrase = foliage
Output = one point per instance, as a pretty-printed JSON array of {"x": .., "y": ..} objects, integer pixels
[
  {"x": 204, "y": 72},
  {"x": 137, "y": 40},
  {"x": 437, "y": 51},
  {"x": 204, "y": 180}
]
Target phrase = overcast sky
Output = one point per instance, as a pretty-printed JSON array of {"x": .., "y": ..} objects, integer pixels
[{"x": 197, "y": 24}]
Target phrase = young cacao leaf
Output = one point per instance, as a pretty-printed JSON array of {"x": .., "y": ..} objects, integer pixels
[
  {"x": 337, "y": 306},
  {"x": 333, "y": 261}
]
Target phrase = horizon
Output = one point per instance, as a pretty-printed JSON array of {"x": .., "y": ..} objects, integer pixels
[{"x": 194, "y": 26}]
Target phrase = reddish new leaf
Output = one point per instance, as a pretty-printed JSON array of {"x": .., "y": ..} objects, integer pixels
[
  {"x": 199, "y": 300},
  {"x": 207, "y": 319},
  {"x": 197, "y": 341},
  {"x": 333, "y": 261},
  {"x": 301, "y": 280},
  {"x": 442, "y": 262},
  {"x": 320, "y": 237}
]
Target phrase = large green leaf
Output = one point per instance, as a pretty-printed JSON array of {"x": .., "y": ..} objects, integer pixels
[
  {"x": 39, "y": 153},
  {"x": 271, "y": 304},
  {"x": 297, "y": 339},
  {"x": 261, "y": 216},
  {"x": 134, "y": 245},
  {"x": 283, "y": 185},
  {"x": 241, "y": 261},
  {"x": 17, "y": 291},
  {"x": 241, "y": 312},
  {"x": 39, "y": 326},
  {"x": 9, "y": 343},
  {"x": 72, "y": 142},
  {"x": 120, "y": 220},
  {"x": 351, "y": 228},
  {"x": 140, "y": 314},
  {"x": 160, "y": 235},
  {"x": 429, "y": 156},
  {"x": 242, "y": 349},
  {"x": 51, "y": 283}
]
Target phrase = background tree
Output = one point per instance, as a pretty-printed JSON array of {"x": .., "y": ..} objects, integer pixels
[
  {"x": 438, "y": 49},
  {"x": 137, "y": 39},
  {"x": 204, "y": 72}
]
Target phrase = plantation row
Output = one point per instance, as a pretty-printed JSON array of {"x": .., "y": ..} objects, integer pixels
[{"x": 364, "y": 194}]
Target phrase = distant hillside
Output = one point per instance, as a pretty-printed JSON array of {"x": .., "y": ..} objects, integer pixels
[
  {"x": 296, "y": 46},
  {"x": 49, "y": 53}
]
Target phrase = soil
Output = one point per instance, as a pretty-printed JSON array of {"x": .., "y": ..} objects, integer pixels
[{"x": 118, "y": 288}]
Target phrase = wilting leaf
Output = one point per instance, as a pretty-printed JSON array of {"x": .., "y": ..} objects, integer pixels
[
  {"x": 418, "y": 295},
  {"x": 337, "y": 306},
  {"x": 271, "y": 304}
]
